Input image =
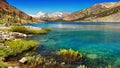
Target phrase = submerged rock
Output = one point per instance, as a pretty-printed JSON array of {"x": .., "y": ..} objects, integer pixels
[
  {"x": 92, "y": 56},
  {"x": 81, "y": 66},
  {"x": 63, "y": 63},
  {"x": 117, "y": 61}
]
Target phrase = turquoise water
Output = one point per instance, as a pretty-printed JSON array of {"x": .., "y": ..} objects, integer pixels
[{"x": 97, "y": 41}]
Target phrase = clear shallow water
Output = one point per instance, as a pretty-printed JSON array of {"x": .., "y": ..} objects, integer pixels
[{"x": 97, "y": 40}]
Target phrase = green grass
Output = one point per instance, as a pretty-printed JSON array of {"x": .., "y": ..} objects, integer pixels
[
  {"x": 37, "y": 32},
  {"x": 47, "y": 29},
  {"x": 22, "y": 29},
  {"x": 17, "y": 46},
  {"x": 2, "y": 64},
  {"x": 1, "y": 22}
]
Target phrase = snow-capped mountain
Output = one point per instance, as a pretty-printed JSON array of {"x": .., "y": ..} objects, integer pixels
[{"x": 51, "y": 16}]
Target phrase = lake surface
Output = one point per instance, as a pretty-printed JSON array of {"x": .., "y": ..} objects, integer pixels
[{"x": 97, "y": 41}]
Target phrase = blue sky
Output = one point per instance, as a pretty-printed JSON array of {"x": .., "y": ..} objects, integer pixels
[{"x": 34, "y": 6}]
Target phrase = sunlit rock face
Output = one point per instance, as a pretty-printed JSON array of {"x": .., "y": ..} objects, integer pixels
[
  {"x": 110, "y": 4},
  {"x": 13, "y": 14},
  {"x": 103, "y": 12}
]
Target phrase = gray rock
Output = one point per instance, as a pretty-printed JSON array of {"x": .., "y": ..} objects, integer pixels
[
  {"x": 23, "y": 60},
  {"x": 11, "y": 35}
]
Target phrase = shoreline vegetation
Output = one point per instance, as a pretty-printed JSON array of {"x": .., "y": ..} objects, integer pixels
[
  {"x": 30, "y": 30},
  {"x": 13, "y": 41}
]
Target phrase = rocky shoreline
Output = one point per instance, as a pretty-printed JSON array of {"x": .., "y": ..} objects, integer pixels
[
  {"x": 16, "y": 43},
  {"x": 4, "y": 36}
]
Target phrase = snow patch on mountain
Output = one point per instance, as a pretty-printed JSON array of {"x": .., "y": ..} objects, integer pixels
[{"x": 43, "y": 15}]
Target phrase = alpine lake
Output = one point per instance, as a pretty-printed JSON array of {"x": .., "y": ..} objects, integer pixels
[{"x": 99, "y": 42}]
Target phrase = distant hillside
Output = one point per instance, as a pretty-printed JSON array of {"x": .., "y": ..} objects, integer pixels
[
  {"x": 10, "y": 14},
  {"x": 104, "y": 12}
]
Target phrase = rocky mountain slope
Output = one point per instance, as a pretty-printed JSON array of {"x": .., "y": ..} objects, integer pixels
[
  {"x": 10, "y": 14},
  {"x": 104, "y": 12}
]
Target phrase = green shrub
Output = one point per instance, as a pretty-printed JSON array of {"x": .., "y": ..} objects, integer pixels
[
  {"x": 1, "y": 22},
  {"x": 48, "y": 29},
  {"x": 17, "y": 46},
  {"x": 69, "y": 55},
  {"x": 20, "y": 29},
  {"x": 2, "y": 64},
  {"x": 37, "y": 60},
  {"x": 25, "y": 30},
  {"x": 37, "y": 31},
  {"x": 3, "y": 51}
]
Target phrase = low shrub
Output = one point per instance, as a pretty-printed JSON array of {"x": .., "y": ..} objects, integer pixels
[
  {"x": 23, "y": 29},
  {"x": 47, "y": 29},
  {"x": 38, "y": 60},
  {"x": 2, "y": 64},
  {"x": 20, "y": 29},
  {"x": 69, "y": 55},
  {"x": 1, "y": 22},
  {"x": 17, "y": 46},
  {"x": 37, "y": 31}
]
